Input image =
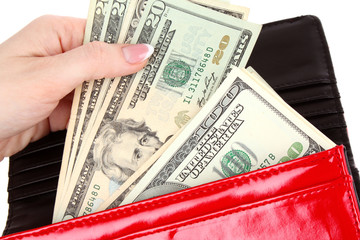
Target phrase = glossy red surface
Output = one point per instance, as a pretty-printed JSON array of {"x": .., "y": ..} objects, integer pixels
[{"x": 307, "y": 198}]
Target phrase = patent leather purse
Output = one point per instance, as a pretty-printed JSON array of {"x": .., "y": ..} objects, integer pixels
[
  {"x": 307, "y": 198},
  {"x": 314, "y": 197}
]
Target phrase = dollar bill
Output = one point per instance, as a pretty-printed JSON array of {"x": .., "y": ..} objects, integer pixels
[
  {"x": 225, "y": 7},
  {"x": 97, "y": 89},
  {"x": 244, "y": 127},
  {"x": 130, "y": 23},
  {"x": 133, "y": 15},
  {"x": 195, "y": 48},
  {"x": 125, "y": 17},
  {"x": 116, "y": 21},
  {"x": 113, "y": 23},
  {"x": 95, "y": 22},
  {"x": 117, "y": 197}
]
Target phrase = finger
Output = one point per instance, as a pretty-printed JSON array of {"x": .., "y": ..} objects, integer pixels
[
  {"x": 46, "y": 36},
  {"x": 95, "y": 60},
  {"x": 58, "y": 119}
]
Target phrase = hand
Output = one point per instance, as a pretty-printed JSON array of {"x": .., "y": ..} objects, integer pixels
[{"x": 39, "y": 68}]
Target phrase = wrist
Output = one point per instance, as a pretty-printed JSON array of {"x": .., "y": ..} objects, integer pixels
[
  {"x": 12, "y": 145},
  {"x": 3, "y": 147}
]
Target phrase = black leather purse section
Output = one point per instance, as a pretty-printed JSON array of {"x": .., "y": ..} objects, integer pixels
[{"x": 293, "y": 57}]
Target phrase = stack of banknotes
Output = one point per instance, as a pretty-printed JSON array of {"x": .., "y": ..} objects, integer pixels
[{"x": 193, "y": 115}]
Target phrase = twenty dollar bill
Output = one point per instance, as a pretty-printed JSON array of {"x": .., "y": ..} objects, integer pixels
[
  {"x": 244, "y": 127},
  {"x": 195, "y": 49}
]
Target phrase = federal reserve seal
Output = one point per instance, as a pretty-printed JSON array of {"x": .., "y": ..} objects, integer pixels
[
  {"x": 235, "y": 162},
  {"x": 177, "y": 73}
]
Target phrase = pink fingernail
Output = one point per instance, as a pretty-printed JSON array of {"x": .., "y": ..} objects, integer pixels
[{"x": 137, "y": 53}]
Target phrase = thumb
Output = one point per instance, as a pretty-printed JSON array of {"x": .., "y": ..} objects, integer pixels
[{"x": 96, "y": 60}]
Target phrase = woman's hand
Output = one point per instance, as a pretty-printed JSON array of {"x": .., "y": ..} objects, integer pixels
[{"x": 39, "y": 68}]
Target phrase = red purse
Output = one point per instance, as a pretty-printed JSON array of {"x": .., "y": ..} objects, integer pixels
[{"x": 306, "y": 198}]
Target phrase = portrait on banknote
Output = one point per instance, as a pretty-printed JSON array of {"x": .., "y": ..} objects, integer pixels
[{"x": 123, "y": 146}]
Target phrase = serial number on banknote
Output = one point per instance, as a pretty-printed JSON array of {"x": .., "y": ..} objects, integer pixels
[
  {"x": 91, "y": 201},
  {"x": 196, "y": 79}
]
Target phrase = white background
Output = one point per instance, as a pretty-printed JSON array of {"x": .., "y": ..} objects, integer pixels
[{"x": 340, "y": 21}]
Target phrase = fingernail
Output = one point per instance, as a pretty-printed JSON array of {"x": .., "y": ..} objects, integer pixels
[{"x": 137, "y": 53}]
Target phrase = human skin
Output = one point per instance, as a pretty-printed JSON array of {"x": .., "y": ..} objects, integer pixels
[{"x": 41, "y": 65}]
